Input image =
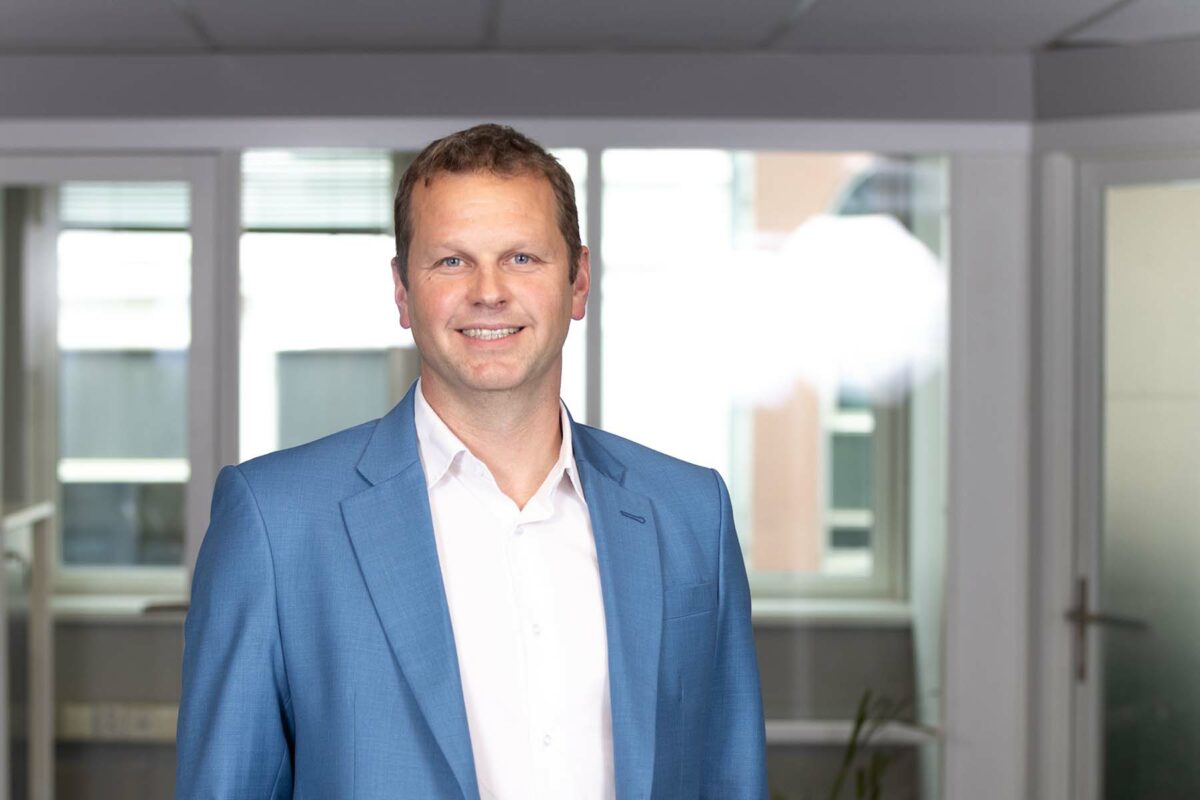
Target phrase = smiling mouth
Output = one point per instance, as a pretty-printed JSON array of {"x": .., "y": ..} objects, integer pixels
[{"x": 489, "y": 334}]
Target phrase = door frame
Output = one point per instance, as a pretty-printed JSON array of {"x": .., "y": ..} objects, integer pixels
[{"x": 1068, "y": 447}]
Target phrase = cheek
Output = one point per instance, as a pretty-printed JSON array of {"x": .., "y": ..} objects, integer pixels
[
  {"x": 430, "y": 309},
  {"x": 552, "y": 297}
]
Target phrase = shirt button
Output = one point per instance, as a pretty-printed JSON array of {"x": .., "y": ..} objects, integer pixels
[
  {"x": 546, "y": 740},
  {"x": 537, "y": 629}
]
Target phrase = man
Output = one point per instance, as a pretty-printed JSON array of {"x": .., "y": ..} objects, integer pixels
[{"x": 474, "y": 596}]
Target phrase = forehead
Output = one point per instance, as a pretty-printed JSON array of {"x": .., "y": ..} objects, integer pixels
[{"x": 476, "y": 198}]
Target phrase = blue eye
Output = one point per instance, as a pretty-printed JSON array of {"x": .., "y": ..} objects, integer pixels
[
  {"x": 521, "y": 258},
  {"x": 452, "y": 261}
]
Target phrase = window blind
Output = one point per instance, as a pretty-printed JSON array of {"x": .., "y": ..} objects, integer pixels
[
  {"x": 325, "y": 190},
  {"x": 125, "y": 205}
]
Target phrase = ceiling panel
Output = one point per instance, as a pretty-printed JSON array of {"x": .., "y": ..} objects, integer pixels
[
  {"x": 348, "y": 25},
  {"x": 942, "y": 25},
  {"x": 112, "y": 26},
  {"x": 656, "y": 24},
  {"x": 1144, "y": 21}
]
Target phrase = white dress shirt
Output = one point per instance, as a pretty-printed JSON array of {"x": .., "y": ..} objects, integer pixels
[{"x": 523, "y": 587}]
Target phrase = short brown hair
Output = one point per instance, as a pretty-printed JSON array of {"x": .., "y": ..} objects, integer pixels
[{"x": 492, "y": 148}]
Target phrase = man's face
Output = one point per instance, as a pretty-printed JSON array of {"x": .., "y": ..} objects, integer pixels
[{"x": 488, "y": 299}]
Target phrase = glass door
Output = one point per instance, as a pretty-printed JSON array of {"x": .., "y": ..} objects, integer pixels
[{"x": 1137, "y": 609}]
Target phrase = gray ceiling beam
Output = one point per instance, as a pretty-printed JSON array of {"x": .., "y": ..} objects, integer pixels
[{"x": 729, "y": 86}]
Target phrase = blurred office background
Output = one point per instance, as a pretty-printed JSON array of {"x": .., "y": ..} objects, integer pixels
[{"x": 916, "y": 280}]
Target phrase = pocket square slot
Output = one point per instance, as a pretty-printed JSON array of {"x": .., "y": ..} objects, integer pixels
[{"x": 684, "y": 601}]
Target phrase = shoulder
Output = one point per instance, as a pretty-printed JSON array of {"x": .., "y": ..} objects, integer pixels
[
  {"x": 633, "y": 454},
  {"x": 652, "y": 472},
  {"x": 326, "y": 463}
]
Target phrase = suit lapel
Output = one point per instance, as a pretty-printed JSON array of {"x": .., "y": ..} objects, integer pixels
[
  {"x": 391, "y": 530},
  {"x": 631, "y": 584}
]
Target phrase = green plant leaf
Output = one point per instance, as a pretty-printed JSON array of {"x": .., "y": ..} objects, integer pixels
[{"x": 851, "y": 751}]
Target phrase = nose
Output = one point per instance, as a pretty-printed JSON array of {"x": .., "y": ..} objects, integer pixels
[{"x": 488, "y": 287}]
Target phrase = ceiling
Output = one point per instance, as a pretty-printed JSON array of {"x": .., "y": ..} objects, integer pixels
[{"x": 518, "y": 26}]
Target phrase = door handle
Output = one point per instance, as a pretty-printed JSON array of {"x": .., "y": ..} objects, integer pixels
[{"x": 1081, "y": 616}]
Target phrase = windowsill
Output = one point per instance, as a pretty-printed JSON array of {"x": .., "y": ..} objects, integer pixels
[
  {"x": 765, "y": 610},
  {"x": 828, "y": 612},
  {"x": 132, "y": 582},
  {"x": 118, "y": 608},
  {"x": 836, "y": 732}
]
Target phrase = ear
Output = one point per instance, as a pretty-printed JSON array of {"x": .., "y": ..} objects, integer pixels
[
  {"x": 401, "y": 295},
  {"x": 582, "y": 285}
]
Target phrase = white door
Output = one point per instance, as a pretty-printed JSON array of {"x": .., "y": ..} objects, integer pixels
[{"x": 1135, "y": 615}]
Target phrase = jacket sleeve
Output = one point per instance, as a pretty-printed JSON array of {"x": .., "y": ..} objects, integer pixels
[
  {"x": 735, "y": 743},
  {"x": 234, "y": 737}
]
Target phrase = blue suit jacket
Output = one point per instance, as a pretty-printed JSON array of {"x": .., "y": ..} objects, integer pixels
[{"x": 320, "y": 661}]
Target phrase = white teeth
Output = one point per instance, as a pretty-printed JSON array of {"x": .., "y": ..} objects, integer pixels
[{"x": 489, "y": 334}]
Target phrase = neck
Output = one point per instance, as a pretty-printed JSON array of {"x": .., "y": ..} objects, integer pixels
[{"x": 517, "y": 435}]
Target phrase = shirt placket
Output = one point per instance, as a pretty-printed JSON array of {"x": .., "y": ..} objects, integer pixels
[{"x": 539, "y": 638}]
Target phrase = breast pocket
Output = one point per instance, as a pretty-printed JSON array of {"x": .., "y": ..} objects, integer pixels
[{"x": 689, "y": 600}]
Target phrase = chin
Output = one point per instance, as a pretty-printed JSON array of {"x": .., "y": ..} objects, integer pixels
[
  {"x": 494, "y": 378},
  {"x": 494, "y": 382}
]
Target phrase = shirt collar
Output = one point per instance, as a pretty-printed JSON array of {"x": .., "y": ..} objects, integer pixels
[
  {"x": 439, "y": 448},
  {"x": 437, "y": 444}
]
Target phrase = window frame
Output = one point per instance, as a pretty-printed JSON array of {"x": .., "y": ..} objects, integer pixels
[
  {"x": 889, "y": 540},
  {"x": 204, "y": 452}
]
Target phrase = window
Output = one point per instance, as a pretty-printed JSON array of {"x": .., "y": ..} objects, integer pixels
[
  {"x": 321, "y": 348},
  {"x": 124, "y": 329},
  {"x": 780, "y": 316},
  {"x": 776, "y": 315}
]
